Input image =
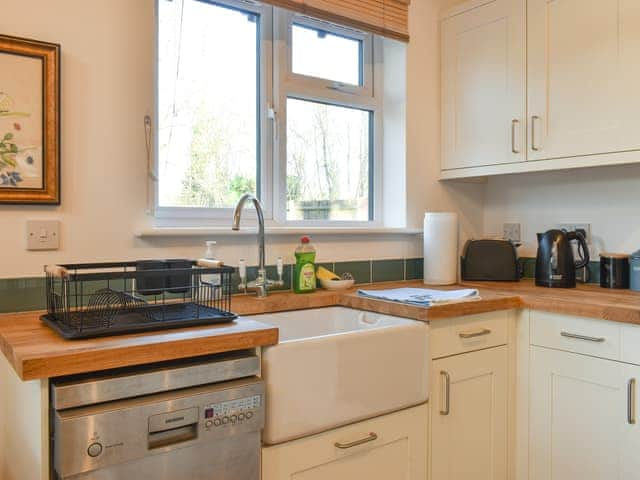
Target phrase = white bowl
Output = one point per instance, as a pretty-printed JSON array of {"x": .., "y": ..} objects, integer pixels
[{"x": 337, "y": 284}]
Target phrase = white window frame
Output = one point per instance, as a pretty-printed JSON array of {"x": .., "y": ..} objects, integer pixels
[
  {"x": 283, "y": 29},
  {"x": 366, "y": 97},
  {"x": 277, "y": 83},
  {"x": 179, "y": 216}
]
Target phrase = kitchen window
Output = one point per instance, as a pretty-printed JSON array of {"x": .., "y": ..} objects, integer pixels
[{"x": 253, "y": 98}]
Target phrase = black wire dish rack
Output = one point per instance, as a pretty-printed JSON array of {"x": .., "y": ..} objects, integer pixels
[{"x": 89, "y": 300}]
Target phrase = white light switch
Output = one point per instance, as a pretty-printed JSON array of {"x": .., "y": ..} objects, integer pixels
[{"x": 43, "y": 234}]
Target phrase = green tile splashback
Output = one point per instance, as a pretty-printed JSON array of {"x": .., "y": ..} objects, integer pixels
[
  {"x": 21, "y": 294},
  {"x": 361, "y": 270},
  {"x": 387, "y": 270},
  {"x": 24, "y": 294},
  {"x": 414, "y": 268}
]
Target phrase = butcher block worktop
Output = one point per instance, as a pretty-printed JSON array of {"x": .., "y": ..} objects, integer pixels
[
  {"x": 584, "y": 301},
  {"x": 36, "y": 352}
]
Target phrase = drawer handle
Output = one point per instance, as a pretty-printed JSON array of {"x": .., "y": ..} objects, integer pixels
[
  {"x": 583, "y": 337},
  {"x": 479, "y": 333},
  {"x": 370, "y": 438},
  {"x": 631, "y": 402},
  {"x": 447, "y": 392}
]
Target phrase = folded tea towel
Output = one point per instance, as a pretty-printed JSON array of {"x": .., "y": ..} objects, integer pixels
[{"x": 422, "y": 296}]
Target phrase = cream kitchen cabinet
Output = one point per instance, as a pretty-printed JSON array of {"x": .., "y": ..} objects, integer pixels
[
  {"x": 469, "y": 416},
  {"x": 582, "y": 417},
  {"x": 581, "y": 92},
  {"x": 483, "y": 82},
  {"x": 392, "y": 446},
  {"x": 583, "y": 77}
]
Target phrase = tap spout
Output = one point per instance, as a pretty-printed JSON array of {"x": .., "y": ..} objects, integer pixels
[{"x": 260, "y": 213}]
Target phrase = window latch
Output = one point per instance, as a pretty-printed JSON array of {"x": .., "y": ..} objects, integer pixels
[{"x": 273, "y": 115}]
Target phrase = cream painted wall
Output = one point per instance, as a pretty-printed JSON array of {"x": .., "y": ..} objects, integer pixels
[
  {"x": 423, "y": 129},
  {"x": 605, "y": 197},
  {"x": 107, "y": 88}
]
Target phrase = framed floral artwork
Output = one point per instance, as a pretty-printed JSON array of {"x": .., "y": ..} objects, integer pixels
[{"x": 29, "y": 121}]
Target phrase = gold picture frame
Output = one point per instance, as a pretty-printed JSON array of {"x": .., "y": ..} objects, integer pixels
[{"x": 29, "y": 121}]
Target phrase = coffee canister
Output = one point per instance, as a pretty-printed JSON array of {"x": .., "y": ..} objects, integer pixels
[
  {"x": 614, "y": 270},
  {"x": 635, "y": 271}
]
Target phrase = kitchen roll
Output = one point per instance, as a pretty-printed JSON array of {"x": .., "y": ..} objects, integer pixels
[{"x": 440, "y": 248}]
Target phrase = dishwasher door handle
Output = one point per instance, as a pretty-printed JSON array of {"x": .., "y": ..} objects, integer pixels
[
  {"x": 173, "y": 420},
  {"x": 173, "y": 436}
]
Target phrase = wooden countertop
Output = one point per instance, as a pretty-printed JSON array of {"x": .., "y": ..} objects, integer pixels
[
  {"x": 584, "y": 301},
  {"x": 35, "y": 351}
]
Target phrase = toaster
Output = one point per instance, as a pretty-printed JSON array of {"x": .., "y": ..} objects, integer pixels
[{"x": 490, "y": 260}]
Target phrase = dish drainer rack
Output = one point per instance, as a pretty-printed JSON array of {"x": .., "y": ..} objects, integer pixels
[{"x": 87, "y": 300}]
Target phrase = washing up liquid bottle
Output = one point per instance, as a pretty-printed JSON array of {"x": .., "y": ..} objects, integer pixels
[
  {"x": 304, "y": 277},
  {"x": 211, "y": 261}
]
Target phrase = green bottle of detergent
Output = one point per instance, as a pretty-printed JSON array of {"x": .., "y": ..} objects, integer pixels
[{"x": 304, "y": 278}]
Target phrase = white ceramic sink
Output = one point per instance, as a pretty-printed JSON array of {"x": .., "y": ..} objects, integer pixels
[{"x": 335, "y": 366}]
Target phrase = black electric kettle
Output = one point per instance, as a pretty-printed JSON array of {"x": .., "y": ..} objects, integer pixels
[{"x": 555, "y": 264}]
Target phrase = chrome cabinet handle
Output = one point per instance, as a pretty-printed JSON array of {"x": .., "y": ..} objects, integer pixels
[
  {"x": 583, "y": 337},
  {"x": 534, "y": 119},
  {"x": 631, "y": 402},
  {"x": 447, "y": 392},
  {"x": 514, "y": 124},
  {"x": 481, "y": 333},
  {"x": 370, "y": 438}
]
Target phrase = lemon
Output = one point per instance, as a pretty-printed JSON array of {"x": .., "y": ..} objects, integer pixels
[{"x": 324, "y": 274}]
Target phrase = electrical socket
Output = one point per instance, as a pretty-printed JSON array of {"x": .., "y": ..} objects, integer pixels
[{"x": 511, "y": 231}]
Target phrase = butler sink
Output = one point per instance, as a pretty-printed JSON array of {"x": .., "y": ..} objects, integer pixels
[{"x": 335, "y": 366}]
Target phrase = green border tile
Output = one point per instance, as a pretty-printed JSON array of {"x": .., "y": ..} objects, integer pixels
[
  {"x": 387, "y": 270},
  {"x": 361, "y": 270},
  {"x": 414, "y": 268},
  {"x": 22, "y": 294}
]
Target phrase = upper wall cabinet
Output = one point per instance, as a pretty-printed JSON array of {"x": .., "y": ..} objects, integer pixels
[
  {"x": 583, "y": 77},
  {"x": 582, "y": 87},
  {"x": 484, "y": 86}
]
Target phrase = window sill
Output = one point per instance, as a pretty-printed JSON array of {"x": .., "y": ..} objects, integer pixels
[{"x": 159, "y": 232}]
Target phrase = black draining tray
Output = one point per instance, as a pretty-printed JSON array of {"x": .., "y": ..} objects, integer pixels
[{"x": 147, "y": 318}]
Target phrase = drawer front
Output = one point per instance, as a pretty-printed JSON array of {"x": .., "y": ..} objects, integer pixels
[
  {"x": 469, "y": 333},
  {"x": 387, "y": 447},
  {"x": 598, "y": 338},
  {"x": 631, "y": 343}
]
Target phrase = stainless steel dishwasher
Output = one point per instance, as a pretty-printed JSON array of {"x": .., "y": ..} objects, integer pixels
[{"x": 192, "y": 420}]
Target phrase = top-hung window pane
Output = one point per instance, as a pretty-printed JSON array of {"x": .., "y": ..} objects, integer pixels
[
  {"x": 207, "y": 104},
  {"x": 321, "y": 54}
]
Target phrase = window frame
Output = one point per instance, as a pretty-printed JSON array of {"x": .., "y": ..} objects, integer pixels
[
  {"x": 172, "y": 216},
  {"x": 285, "y": 21},
  {"x": 277, "y": 82},
  {"x": 288, "y": 84}
]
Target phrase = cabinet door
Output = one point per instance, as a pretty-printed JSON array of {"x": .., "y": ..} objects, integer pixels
[
  {"x": 583, "y": 77},
  {"x": 630, "y": 443},
  {"x": 389, "y": 447},
  {"x": 483, "y": 86},
  {"x": 469, "y": 416},
  {"x": 578, "y": 413}
]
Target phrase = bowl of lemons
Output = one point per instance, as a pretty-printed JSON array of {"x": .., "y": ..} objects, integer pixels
[{"x": 331, "y": 281}]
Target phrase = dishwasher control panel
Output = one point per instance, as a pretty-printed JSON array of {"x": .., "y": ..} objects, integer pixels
[{"x": 232, "y": 412}]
